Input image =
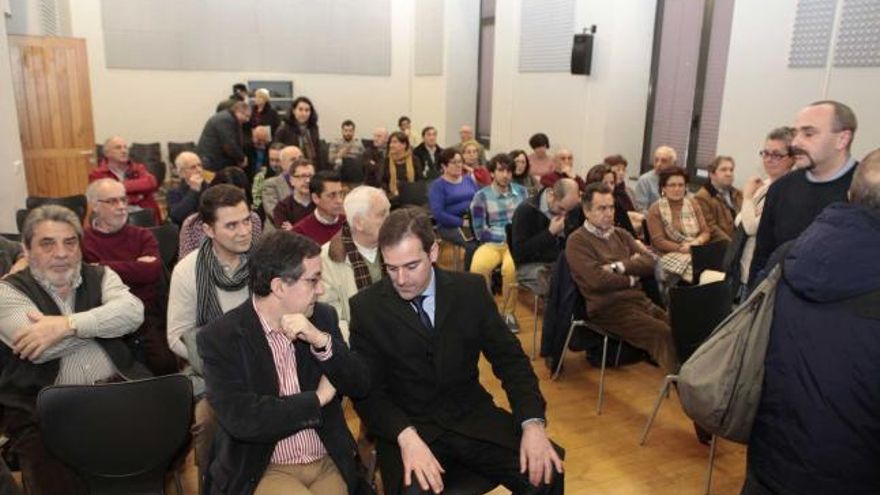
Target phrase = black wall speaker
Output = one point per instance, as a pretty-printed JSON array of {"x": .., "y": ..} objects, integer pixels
[{"x": 582, "y": 54}]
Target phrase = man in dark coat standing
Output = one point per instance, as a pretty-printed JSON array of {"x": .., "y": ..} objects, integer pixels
[
  {"x": 221, "y": 144},
  {"x": 421, "y": 331},
  {"x": 817, "y": 430}
]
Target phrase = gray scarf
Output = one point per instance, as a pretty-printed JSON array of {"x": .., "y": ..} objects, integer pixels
[{"x": 209, "y": 277}]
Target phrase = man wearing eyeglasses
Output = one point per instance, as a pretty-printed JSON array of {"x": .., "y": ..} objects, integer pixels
[
  {"x": 824, "y": 132},
  {"x": 276, "y": 369},
  {"x": 298, "y": 204},
  {"x": 133, "y": 253},
  {"x": 140, "y": 184}
]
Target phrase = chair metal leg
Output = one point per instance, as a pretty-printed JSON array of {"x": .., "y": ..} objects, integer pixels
[
  {"x": 602, "y": 376},
  {"x": 535, "y": 329},
  {"x": 711, "y": 465},
  {"x": 507, "y": 298},
  {"x": 619, "y": 348},
  {"x": 571, "y": 328},
  {"x": 664, "y": 391}
]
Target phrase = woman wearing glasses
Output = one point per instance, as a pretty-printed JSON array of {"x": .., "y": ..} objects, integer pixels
[{"x": 778, "y": 161}]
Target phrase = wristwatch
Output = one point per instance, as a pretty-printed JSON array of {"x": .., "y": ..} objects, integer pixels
[{"x": 71, "y": 324}]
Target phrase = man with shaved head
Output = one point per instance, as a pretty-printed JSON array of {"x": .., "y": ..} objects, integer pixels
[
  {"x": 817, "y": 430},
  {"x": 140, "y": 184},
  {"x": 133, "y": 253},
  {"x": 647, "y": 190}
]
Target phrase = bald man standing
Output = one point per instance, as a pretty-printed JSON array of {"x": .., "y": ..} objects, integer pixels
[{"x": 140, "y": 184}]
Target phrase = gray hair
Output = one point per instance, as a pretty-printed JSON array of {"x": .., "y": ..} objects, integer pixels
[
  {"x": 563, "y": 187},
  {"x": 49, "y": 213},
  {"x": 263, "y": 92},
  {"x": 183, "y": 155},
  {"x": 358, "y": 200},
  {"x": 865, "y": 187},
  {"x": 92, "y": 188}
]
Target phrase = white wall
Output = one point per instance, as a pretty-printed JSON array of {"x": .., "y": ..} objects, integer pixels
[
  {"x": 595, "y": 115},
  {"x": 155, "y": 105},
  {"x": 761, "y": 92},
  {"x": 13, "y": 188}
]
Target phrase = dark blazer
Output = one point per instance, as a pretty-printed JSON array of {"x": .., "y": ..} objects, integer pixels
[
  {"x": 430, "y": 161},
  {"x": 242, "y": 388},
  {"x": 430, "y": 379},
  {"x": 531, "y": 241},
  {"x": 222, "y": 141}
]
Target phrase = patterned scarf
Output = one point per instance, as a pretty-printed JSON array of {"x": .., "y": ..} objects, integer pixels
[
  {"x": 690, "y": 225},
  {"x": 306, "y": 144},
  {"x": 209, "y": 277},
  {"x": 392, "y": 170},
  {"x": 358, "y": 263}
]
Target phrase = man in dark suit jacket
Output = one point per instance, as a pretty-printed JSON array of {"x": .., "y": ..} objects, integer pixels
[
  {"x": 275, "y": 369},
  {"x": 222, "y": 141},
  {"x": 421, "y": 331}
]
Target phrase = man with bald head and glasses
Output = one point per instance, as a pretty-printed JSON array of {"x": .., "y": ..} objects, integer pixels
[{"x": 824, "y": 132}]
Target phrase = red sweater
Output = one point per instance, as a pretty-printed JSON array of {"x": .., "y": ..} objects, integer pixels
[
  {"x": 317, "y": 231},
  {"x": 140, "y": 184},
  {"x": 120, "y": 251}
]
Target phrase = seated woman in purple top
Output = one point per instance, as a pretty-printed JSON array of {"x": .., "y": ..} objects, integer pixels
[{"x": 450, "y": 199}]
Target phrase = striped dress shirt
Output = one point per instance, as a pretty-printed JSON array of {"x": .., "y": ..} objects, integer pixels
[{"x": 304, "y": 446}]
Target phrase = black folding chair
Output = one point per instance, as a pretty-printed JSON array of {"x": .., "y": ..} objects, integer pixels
[
  {"x": 77, "y": 203},
  {"x": 708, "y": 257},
  {"x": 175, "y": 149},
  {"x": 144, "y": 217},
  {"x": 168, "y": 237},
  {"x": 151, "y": 156},
  {"x": 694, "y": 312},
  {"x": 120, "y": 437}
]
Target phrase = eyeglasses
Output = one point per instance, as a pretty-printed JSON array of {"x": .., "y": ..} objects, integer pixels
[
  {"x": 303, "y": 176},
  {"x": 772, "y": 155},
  {"x": 114, "y": 201}
]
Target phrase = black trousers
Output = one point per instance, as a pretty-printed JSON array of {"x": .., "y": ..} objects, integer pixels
[
  {"x": 754, "y": 486},
  {"x": 462, "y": 458}
]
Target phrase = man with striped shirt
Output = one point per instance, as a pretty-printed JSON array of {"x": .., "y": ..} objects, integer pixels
[{"x": 276, "y": 368}]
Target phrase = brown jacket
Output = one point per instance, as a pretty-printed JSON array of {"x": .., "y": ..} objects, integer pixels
[
  {"x": 587, "y": 254},
  {"x": 719, "y": 217},
  {"x": 659, "y": 241}
]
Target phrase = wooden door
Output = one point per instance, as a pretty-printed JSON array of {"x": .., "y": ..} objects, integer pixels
[{"x": 54, "y": 103}]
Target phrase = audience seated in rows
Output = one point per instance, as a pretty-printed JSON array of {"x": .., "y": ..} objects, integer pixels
[
  {"x": 776, "y": 156},
  {"x": 328, "y": 217},
  {"x": 538, "y": 233},
  {"x": 281, "y": 186},
  {"x": 192, "y": 232},
  {"x": 824, "y": 134},
  {"x": 300, "y": 129},
  {"x": 61, "y": 322},
  {"x": 272, "y": 168},
  {"x": 183, "y": 200},
  {"x": 563, "y": 167},
  {"x": 450, "y": 199},
  {"x": 298, "y": 204},
  {"x": 347, "y": 146},
  {"x": 206, "y": 283},
  {"x": 221, "y": 143},
  {"x": 428, "y": 151},
  {"x": 719, "y": 201},
  {"x": 541, "y": 162},
  {"x": 676, "y": 223},
  {"x": 140, "y": 184},
  {"x": 132, "y": 252},
  {"x": 647, "y": 190},
  {"x": 276, "y": 368},
  {"x": 522, "y": 174},
  {"x": 426, "y": 406},
  {"x": 492, "y": 210},
  {"x": 607, "y": 264},
  {"x": 351, "y": 261},
  {"x": 472, "y": 163}
]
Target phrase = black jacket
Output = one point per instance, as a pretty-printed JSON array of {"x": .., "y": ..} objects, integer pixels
[
  {"x": 531, "y": 242},
  {"x": 222, "y": 141},
  {"x": 242, "y": 388},
  {"x": 430, "y": 161}
]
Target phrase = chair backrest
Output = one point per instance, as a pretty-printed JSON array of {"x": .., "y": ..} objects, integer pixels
[
  {"x": 20, "y": 216},
  {"x": 145, "y": 152},
  {"x": 694, "y": 311},
  {"x": 144, "y": 217},
  {"x": 413, "y": 193},
  {"x": 77, "y": 203},
  {"x": 352, "y": 171},
  {"x": 708, "y": 257},
  {"x": 120, "y": 437},
  {"x": 167, "y": 235},
  {"x": 175, "y": 149}
]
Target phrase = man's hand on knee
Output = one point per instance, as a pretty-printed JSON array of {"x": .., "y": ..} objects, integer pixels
[
  {"x": 537, "y": 455},
  {"x": 418, "y": 460}
]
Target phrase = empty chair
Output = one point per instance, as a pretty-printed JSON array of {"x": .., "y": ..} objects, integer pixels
[
  {"x": 151, "y": 156},
  {"x": 168, "y": 236},
  {"x": 413, "y": 193},
  {"x": 352, "y": 171},
  {"x": 120, "y": 437},
  {"x": 144, "y": 217},
  {"x": 175, "y": 149},
  {"x": 76, "y": 203},
  {"x": 694, "y": 312}
]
